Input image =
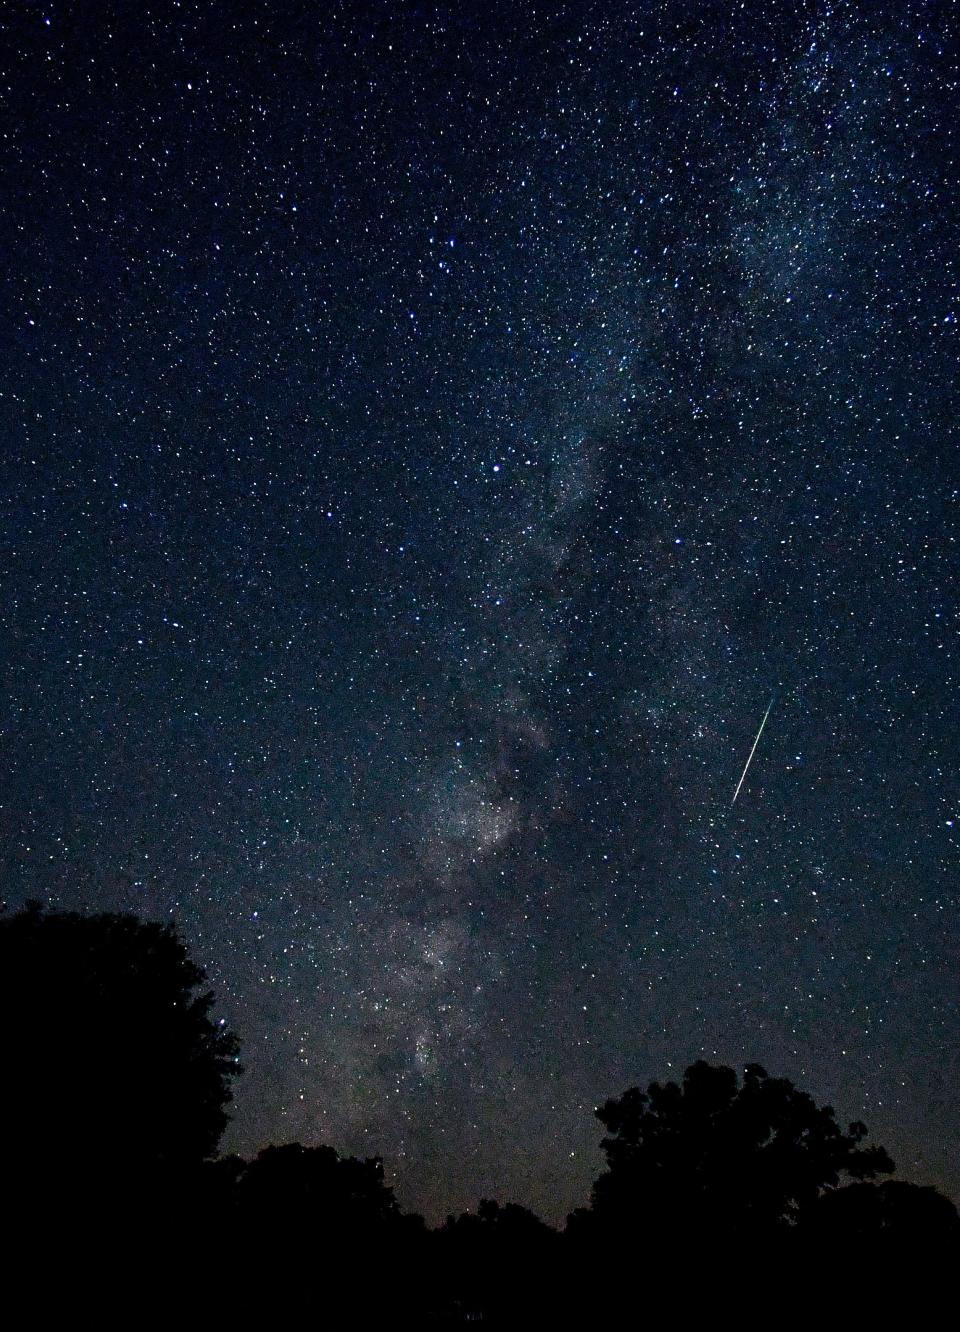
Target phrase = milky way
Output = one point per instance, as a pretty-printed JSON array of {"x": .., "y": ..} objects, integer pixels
[{"x": 432, "y": 433}]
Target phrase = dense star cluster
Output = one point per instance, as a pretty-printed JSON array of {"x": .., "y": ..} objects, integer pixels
[{"x": 432, "y": 434}]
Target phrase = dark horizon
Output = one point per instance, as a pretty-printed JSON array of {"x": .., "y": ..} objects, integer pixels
[{"x": 432, "y": 436}]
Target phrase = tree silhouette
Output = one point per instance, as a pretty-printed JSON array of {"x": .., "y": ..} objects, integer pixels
[
  {"x": 907, "y": 1214},
  {"x": 296, "y": 1209},
  {"x": 116, "y": 1076},
  {"x": 116, "y": 1084},
  {"x": 314, "y": 1191},
  {"x": 498, "y": 1261},
  {"x": 495, "y": 1226},
  {"x": 716, "y": 1161}
]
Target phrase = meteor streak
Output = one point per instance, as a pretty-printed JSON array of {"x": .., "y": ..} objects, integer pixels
[{"x": 752, "y": 752}]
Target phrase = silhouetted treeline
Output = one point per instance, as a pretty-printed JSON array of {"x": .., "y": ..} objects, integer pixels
[{"x": 117, "y": 1080}]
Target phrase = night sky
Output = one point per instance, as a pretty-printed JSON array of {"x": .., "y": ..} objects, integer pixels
[{"x": 432, "y": 434}]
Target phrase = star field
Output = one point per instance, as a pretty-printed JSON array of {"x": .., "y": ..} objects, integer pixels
[{"x": 432, "y": 434}]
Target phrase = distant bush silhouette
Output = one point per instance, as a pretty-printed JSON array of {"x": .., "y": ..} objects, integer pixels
[
  {"x": 714, "y": 1160},
  {"x": 500, "y": 1260},
  {"x": 116, "y": 1077},
  {"x": 316, "y": 1192},
  {"x": 297, "y": 1211}
]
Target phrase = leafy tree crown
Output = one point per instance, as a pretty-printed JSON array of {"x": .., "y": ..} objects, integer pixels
[
  {"x": 111, "y": 1052},
  {"x": 714, "y": 1147}
]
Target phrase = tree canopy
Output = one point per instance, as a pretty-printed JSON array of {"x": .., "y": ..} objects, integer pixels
[
  {"x": 117, "y": 1084},
  {"x": 714, "y": 1156},
  {"x": 114, "y": 1067},
  {"x": 297, "y": 1188},
  {"x": 909, "y": 1214}
]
